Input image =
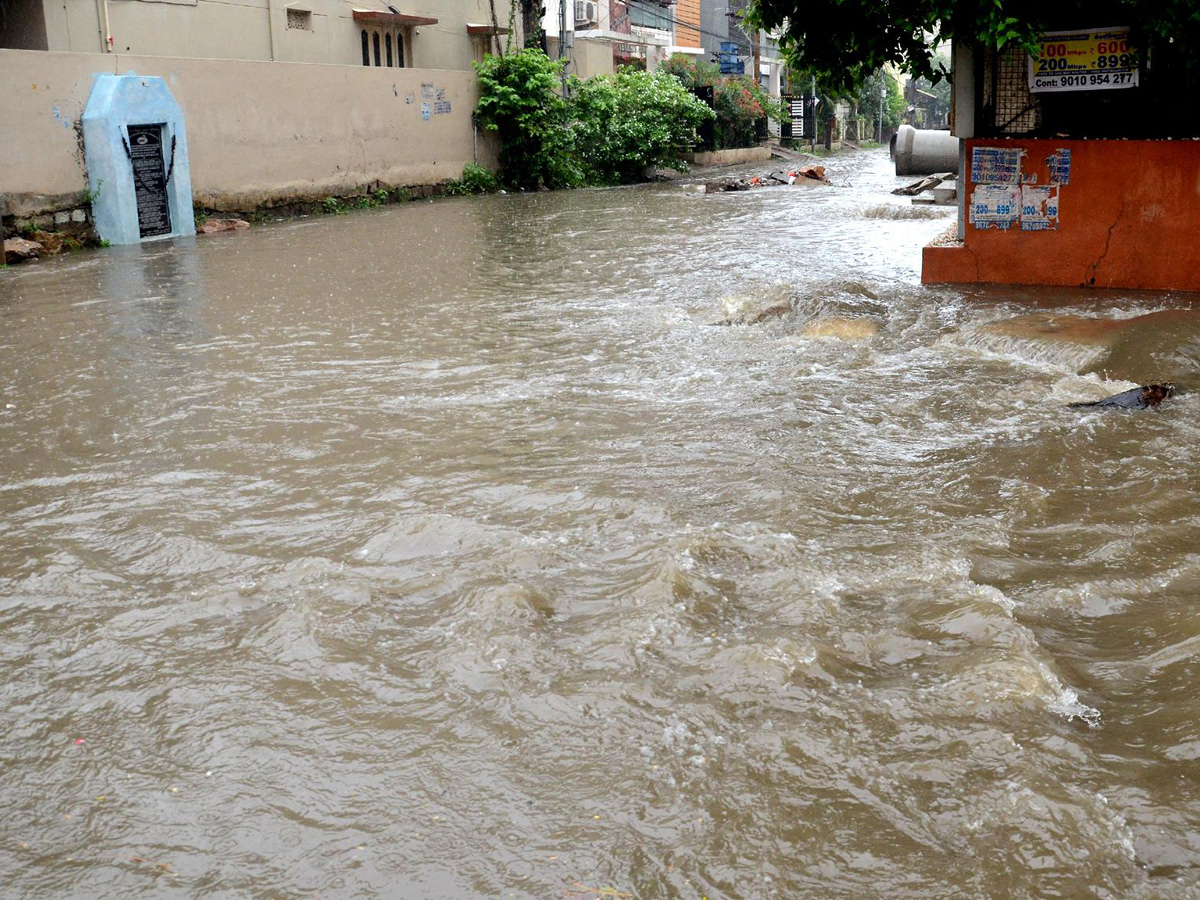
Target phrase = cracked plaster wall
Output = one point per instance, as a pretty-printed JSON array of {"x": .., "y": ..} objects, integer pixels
[{"x": 1129, "y": 218}]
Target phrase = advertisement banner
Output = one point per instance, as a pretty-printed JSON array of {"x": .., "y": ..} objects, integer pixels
[{"x": 1091, "y": 60}]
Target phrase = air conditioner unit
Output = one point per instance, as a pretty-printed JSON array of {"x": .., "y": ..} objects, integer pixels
[{"x": 586, "y": 12}]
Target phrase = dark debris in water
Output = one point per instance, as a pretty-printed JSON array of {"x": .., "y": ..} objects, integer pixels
[{"x": 1144, "y": 397}]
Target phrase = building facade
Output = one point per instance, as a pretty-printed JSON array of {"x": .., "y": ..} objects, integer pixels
[
  {"x": 449, "y": 34},
  {"x": 284, "y": 100},
  {"x": 596, "y": 37}
]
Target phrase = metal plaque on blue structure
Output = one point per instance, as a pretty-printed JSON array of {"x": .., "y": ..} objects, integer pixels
[
  {"x": 149, "y": 179},
  {"x": 136, "y": 155}
]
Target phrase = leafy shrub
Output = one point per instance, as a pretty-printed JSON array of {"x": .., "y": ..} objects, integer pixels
[
  {"x": 611, "y": 129},
  {"x": 627, "y": 122},
  {"x": 475, "y": 180},
  {"x": 518, "y": 100},
  {"x": 738, "y": 112}
]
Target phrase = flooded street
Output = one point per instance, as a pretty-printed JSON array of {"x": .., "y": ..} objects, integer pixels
[{"x": 449, "y": 551}]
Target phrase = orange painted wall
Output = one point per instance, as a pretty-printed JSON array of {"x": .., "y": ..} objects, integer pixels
[
  {"x": 1129, "y": 218},
  {"x": 687, "y": 11}
]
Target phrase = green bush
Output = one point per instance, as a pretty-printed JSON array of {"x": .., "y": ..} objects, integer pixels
[
  {"x": 627, "y": 122},
  {"x": 610, "y": 130},
  {"x": 475, "y": 180},
  {"x": 519, "y": 100}
]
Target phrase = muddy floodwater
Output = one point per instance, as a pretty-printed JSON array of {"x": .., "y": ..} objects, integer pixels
[{"x": 450, "y": 551}]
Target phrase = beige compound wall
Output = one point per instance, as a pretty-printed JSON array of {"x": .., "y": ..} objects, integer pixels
[
  {"x": 593, "y": 58},
  {"x": 258, "y": 29},
  {"x": 258, "y": 132},
  {"x": 587, "y": 58}
]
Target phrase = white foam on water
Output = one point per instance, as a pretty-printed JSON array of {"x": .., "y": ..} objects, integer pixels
[
  {"x": 907, "y": 213},
  {"x": 1068, "y": 706},
  {"x": 1061, "y": 355},
  {"x": 996, "y": 597}
]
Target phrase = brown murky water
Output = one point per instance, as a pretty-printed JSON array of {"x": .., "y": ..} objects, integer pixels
[{"x": 446, "y": 551}]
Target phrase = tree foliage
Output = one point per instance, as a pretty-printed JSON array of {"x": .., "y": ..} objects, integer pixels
[
  {"x": 941, "y": 104},
  {"x": 868, "y": 101},
  {"x": 845, "y": 40}
]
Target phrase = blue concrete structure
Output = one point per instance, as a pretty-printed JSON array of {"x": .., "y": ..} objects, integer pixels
[{"x": 135, "y": 147}]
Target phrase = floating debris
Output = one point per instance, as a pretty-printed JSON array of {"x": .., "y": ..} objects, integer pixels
[
  {"x": 925, "y": 184},
  {"x": 158, "y": 866},
  {"x": 1147, "y": 396},
  {"x": 808, "y": 175}
]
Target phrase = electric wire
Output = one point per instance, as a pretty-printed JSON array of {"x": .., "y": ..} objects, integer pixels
[{"x": 667, "y": 17}]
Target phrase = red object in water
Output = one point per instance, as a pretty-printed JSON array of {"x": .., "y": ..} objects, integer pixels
[{"x": 78, "y": 741}]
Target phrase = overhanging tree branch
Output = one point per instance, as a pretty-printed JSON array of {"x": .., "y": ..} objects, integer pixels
[{"x": 843, "y": 41}]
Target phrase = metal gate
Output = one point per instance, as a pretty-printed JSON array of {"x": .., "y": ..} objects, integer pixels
[
  {"x": 801, "y": 120},
  {"x": 707, "y": 133}
]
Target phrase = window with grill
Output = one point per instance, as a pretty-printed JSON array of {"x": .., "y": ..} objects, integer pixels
[
  {"x": 382, "y": 48},
  {"x": 1011, "y": 108},
  {"x": 299, "y": 20}
]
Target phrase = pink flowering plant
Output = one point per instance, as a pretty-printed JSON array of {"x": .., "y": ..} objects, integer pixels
[{"x": 740, "y": 103}]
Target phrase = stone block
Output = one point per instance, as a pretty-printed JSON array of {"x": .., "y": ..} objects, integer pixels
[
  {"x": 212, "y": 226},
  {"x": 19, "y": 249},
  {"x": 79, "y": 215}
]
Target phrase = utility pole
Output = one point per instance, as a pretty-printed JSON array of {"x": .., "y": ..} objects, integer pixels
[
  {"x": 562, "y": 27},
  {"x": 732, "y": 14},
  {"x": 882, "y": 97},
  {"x": 757, "y": 56},
  {"x": 562, "y": 39},
  {"x": 814, "y": 113}
]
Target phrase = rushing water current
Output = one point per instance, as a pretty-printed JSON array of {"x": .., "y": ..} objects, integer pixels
[{"x": 450, "y": 550}]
